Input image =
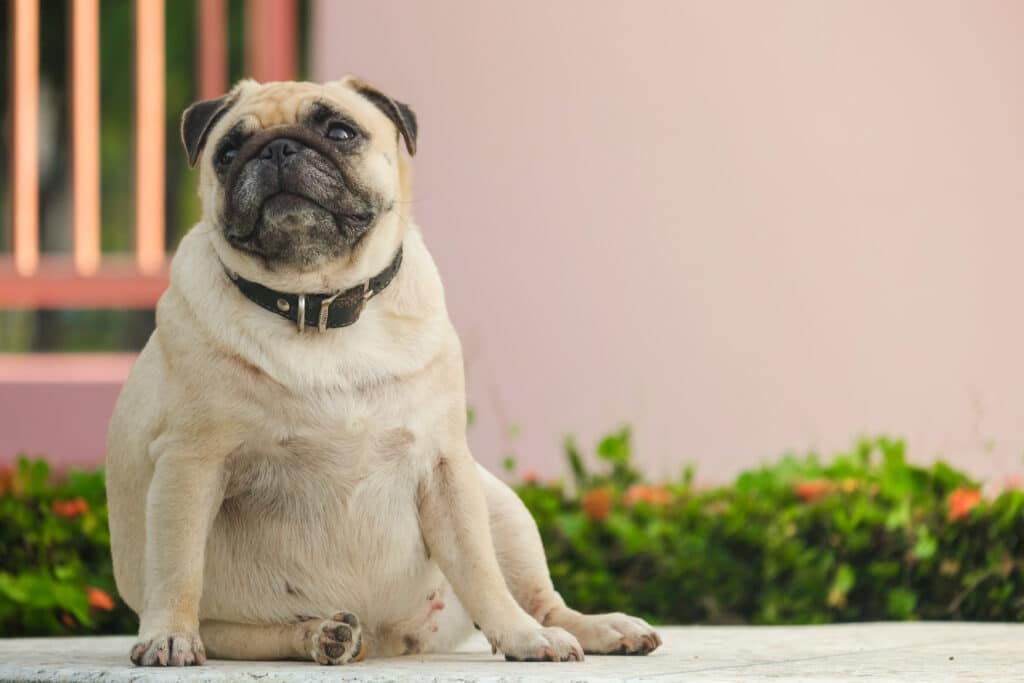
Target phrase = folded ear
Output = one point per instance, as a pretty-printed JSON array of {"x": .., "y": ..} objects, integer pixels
[
  {"x": 400, "y": 114},
  {"x": 197, "y": 121}
]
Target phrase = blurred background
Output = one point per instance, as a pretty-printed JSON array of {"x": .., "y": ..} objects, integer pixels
[
  {"x": 696, "y": 235},
  {"x": 742, "y": 228}
]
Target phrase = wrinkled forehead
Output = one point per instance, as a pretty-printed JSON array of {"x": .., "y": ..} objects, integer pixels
[{"x": 283, "y": 104}]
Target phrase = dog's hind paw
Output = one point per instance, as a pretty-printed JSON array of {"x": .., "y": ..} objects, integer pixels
[
  {"x": 338, "y": 640},
  {"x": 614, "y": 634}
]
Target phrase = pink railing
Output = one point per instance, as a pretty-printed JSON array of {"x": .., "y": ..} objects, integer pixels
[
  {"x": 88, "y": 278},
  {"x": 77, "y": 391}
]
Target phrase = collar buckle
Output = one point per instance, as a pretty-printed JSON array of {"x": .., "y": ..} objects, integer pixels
[
  {"x": 325, "y": 310},
  {"x": 300, "y": 318}
]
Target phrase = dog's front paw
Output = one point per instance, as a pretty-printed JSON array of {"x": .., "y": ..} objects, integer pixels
[
  {"x": 338, "y": 640},
  {"x": 169, "y": 649},
  {"x": 539, "y": 645},
  {"x": 615, "y": 634}
]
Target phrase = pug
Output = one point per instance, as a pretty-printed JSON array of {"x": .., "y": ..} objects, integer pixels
[{"x": 287, "y": 471}]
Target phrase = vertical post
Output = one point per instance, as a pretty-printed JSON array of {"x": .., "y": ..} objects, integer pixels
[
  {"x": 213, "y": 48},
  {"x": 149, "y": 133},
  {"x": 85, "y": 133},
  {"x": 271, "y": 27},
  {"x": 25, "y": 135}
]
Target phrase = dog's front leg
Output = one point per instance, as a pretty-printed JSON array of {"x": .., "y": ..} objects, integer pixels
[
  {"x": 184, "y": 495},
  {"x": 455, "y": 525}
]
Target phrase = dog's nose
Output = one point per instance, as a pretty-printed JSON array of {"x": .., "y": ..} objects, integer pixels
[{"x": 278, "y": 150}]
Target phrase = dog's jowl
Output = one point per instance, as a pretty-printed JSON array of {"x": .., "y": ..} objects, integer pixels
[{"x": 288, "y": 472}]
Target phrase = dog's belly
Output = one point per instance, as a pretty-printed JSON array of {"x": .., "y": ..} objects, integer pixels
[{"x": 307, "y": 533}]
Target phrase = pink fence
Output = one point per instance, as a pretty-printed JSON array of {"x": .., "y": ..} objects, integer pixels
[{"x": 59, "y": 405}]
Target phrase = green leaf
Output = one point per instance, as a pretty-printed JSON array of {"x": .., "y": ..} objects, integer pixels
[
  {"x": 926, "y": 544},
  {"x": 579, "y": 471},
  {"x": 845, "y": 579},
  {"x": 33, "y": 477},
  {"x": 901, "y": 603},
  {"x": 73, "y": 599},
  {"x": 899, "y": 516},
  {"x": 615, "y": 448},
  {"x": 64, "y": 572}
]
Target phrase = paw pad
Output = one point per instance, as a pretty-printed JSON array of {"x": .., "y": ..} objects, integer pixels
[{"x": 338, "y": 640}]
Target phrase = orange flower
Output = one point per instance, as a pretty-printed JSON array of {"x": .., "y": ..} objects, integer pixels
[
  {"x": 98, "y": 598},
  {"x": 659, "y": 495},
  {"x": 597, "y": 503},
  {"x": 70, "y": 508},
  {"x": 67, "y": 619},
  {"x": 654, "y": 495},
  {"x": 813, "y": 489},
  {"x": 634, "y": 494},
  {"x": 530, "y": 477},
  {"x": 962, "y": 501}
]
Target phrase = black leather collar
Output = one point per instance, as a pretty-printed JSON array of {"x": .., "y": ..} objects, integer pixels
[{"x": 322, "y": 311}]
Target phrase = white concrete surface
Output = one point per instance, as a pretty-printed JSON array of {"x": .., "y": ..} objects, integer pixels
[{"x": 930, "y": 652}]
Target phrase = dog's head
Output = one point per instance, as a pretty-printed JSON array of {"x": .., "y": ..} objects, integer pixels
[{"x": 302, "y": 179}]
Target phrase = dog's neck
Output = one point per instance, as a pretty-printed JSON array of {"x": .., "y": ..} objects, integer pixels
[{"x": 321, "y": 311}]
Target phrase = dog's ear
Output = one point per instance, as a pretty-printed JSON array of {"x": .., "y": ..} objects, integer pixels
[
  {"x": 400, "y": 114},
  {"x": 197, "y": 121}
]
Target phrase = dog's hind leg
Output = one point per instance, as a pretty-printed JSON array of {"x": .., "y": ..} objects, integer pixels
[
  {"x": 521, "y": 557},
  {"x": 337, "y": 640}
]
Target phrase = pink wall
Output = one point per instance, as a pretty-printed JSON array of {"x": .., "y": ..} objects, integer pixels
[
  {"x": 57, "y": 406},
  {"x": 743, "y": 227}
]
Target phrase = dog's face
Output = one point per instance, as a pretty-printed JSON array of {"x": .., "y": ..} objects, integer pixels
[{"x": 298, "y": 176}]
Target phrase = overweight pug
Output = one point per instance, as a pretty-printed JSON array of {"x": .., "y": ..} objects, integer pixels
[{"x": 287, "y": 470}]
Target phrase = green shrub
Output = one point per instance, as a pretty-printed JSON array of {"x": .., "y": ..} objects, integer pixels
[
  {"x": 866, "y": 536},
  {"x": 55, "y": 571}
]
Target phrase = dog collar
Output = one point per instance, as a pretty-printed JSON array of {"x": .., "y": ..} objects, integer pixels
[{"x": 322, "y": 311}]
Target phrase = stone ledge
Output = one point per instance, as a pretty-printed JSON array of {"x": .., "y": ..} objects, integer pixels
[{"x": 891, "y": 652}]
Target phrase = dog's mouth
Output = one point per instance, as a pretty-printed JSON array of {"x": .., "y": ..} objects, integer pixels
[
  {"x": 292, "y": 208},
  {"x": 286, "y": 202},
  {"x": 297, "y": 230},
  {"x": 294, "y": 201}
]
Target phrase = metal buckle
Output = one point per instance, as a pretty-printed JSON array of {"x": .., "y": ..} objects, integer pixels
[{"x": 325, "y": 310}]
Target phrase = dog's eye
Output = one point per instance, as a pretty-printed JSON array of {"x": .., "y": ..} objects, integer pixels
[
  {"x": 339, "y": 131},
  {"x": 227, "y": 155}
]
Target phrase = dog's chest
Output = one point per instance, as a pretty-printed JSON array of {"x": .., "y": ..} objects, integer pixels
[
  {"x": 324, "y": 459},
  {"x": 323, "y": 447}
]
